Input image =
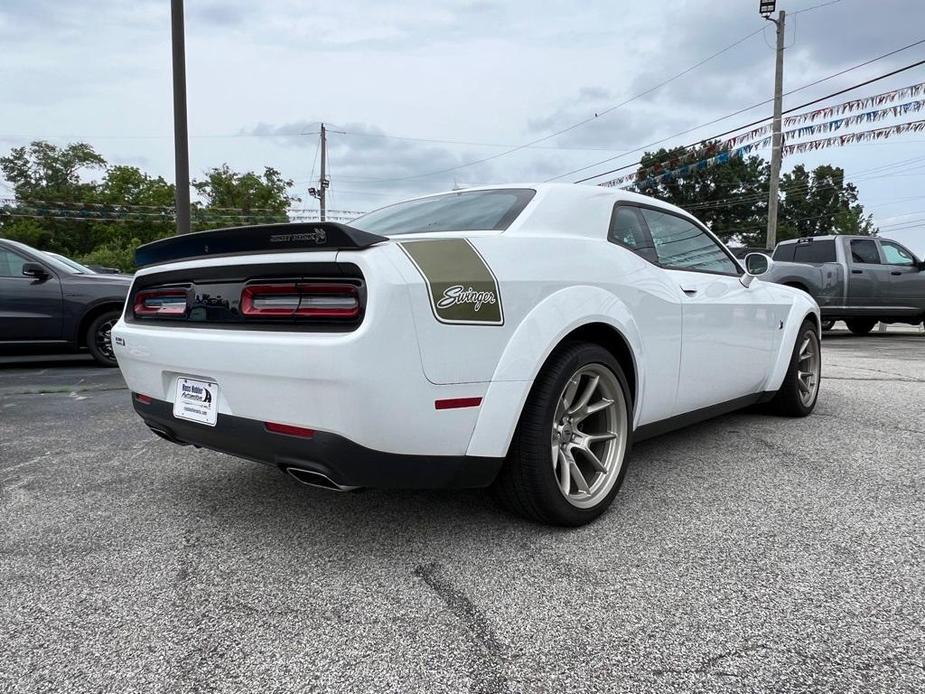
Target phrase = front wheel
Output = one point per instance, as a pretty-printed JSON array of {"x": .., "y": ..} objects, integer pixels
[
  {"x": 99, "y": 339},
  {"x": 566, "y": 462},
  {"x": 798, "y": 393}
]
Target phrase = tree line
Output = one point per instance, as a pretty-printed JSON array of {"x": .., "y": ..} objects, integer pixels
[
  {"x": 732, "y": 198},
  {"x": 71, "y": 201}
]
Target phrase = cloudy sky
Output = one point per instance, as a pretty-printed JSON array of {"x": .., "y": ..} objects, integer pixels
[{"x": 424, "y": 95}]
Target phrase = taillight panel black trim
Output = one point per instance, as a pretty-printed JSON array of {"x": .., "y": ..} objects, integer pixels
[{"x": 214, "y": 295}]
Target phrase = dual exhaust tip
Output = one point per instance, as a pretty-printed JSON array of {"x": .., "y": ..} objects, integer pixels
[{"x": 316, "y": 479}]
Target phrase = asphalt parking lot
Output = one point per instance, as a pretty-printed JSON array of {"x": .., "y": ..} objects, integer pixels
[{"x": 749, "y": 553}]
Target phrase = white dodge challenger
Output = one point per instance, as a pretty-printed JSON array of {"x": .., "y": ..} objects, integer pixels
[{"x": 515, "y": 336}]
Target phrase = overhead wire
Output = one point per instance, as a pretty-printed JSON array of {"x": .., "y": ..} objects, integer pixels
[
  {"x": 749, "y": 108},
  {"x": 584, "y": 121}
]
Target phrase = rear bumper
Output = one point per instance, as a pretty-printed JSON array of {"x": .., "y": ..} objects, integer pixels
[{"x": 345, "y": 462}]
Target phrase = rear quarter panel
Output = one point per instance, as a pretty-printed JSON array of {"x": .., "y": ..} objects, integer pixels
[{"x": 549, "y": 286}]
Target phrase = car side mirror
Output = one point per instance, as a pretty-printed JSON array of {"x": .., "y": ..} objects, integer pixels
[
  {"x": 35, "y": 270},
  {"x": 756, "y": 264}
]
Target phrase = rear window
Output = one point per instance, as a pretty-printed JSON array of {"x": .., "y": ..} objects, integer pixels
[
  {"x": 808, "y": 251},
  {"x": 815, "y": 252},
  {"x": 463, "y": 211}
]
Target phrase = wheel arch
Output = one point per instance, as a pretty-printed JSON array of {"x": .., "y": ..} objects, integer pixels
[
  {"x": 90, "y": 314},
  {"x": 606, "y": 321},
  {"x": 802, "y": 310}
]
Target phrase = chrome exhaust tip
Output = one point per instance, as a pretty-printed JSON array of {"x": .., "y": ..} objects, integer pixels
[{"x": 316, "y": 479}]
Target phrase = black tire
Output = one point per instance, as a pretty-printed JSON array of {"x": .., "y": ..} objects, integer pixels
[
  {"x": 527, "y": 483},
  {"x": 788, "y": 401},
  {"x": 98, "y": 339},
  {"x": 827, "y": 325},
  {"x": 861, "y": 326}
]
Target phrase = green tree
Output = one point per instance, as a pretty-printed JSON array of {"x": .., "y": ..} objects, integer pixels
[
  {"x": 820, "y": 202},
  {"x": 232, "y": 199},
  {"x": 43, "y": 171},
  {"x": 63, "y": 204},
  {"x": 47, "y": 182},
  {"x": 730, "y": 198}
]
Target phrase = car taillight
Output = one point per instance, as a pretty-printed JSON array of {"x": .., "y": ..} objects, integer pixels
[
  {"x": 301, "y": 299},
  {"x": 160, "y": 302}
]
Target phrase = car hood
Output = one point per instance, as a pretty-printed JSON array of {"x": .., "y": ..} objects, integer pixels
[{"x": 124, "y": 280}]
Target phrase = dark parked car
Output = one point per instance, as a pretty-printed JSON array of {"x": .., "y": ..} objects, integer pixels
[{"x": 46, "y": 301}]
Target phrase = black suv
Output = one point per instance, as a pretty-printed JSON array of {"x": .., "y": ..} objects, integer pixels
[{"x": 45, "y": 300}]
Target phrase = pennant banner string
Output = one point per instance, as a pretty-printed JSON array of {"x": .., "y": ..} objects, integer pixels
[{"x": 795, "y": 148}]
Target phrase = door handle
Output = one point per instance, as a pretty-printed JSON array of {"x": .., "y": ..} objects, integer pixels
[
  {"x": 857, "y": 272},
  {"x": 689, "y": 292},
  {"x": 896, "y": 272}
]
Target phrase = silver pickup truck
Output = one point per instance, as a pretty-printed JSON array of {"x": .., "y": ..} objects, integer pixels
[{"x": 858, "y": 279}]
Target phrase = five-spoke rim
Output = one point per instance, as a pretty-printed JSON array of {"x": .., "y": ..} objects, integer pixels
[
  {"x": 808, "y": 368},
  {"x": 104, "y": 339},
  {"x": 589, "y": 435}
]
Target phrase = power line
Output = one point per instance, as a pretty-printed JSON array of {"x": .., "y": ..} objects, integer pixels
[
  {"x": 754, "y": 106},
  {"x": 585, "y": 121}
]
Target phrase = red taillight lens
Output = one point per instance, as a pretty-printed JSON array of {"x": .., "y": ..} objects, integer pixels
[
  {"x": 303, "y": 299},
  {"x": 143, "y": 399},
  {"x": 289, "y": 430},
  {"x": 160, "y": 302}
]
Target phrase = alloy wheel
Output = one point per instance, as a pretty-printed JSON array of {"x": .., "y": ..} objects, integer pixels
[
  {"x": 589, "y": 435},
  {"x": 808, "y": 369},
  {"x": 103, "y": 339}
]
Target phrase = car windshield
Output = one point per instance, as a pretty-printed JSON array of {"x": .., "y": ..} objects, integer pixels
[
  {"x": 474, "y": 210},
  {"x": 69, "y": 264}
]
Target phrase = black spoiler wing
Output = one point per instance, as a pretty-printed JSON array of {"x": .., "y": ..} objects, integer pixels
[{"x": 260, "y": 238}]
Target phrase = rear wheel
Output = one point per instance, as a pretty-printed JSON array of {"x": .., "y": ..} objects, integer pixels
[
  {"x": 798, "y": 393},
  {"x": 99, "y": 340},
  {"x": 861, "y": 326},
  {"x": 566, "y": 461}
]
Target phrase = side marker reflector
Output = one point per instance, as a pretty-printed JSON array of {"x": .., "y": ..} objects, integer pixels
[
  {"x": 143, "y": 399},
  {"x": 456, "y": 403},
  {"x": 289, "y": 430}
]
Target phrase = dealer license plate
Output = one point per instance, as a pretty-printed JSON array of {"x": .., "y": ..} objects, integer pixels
[{"x": 196, "y": 401}]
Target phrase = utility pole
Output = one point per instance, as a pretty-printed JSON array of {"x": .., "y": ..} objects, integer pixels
[
  {"x": 777, "y": 138},
  {"x": 324, "y": 167},
  {"x": 321, "y": 191},
  {"x": 180, "y": 133}
]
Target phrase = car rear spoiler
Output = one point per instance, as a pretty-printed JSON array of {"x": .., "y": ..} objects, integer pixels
[{"x": 260, "y": 238}]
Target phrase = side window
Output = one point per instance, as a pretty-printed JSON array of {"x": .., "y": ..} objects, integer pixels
[
  {"x": 681, "y": 245},
  {"x": 626, "y": 229},
  {"x": 11, "y": 264},
  {"x": 784, "y": 252},
  {"x": 865, "y": 251},
  {"x": 896, "y": 254}
]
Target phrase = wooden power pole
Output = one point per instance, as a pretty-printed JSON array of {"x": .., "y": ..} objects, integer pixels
[
  {"x": 180, "y": 133},
  {"x": 777, "y": 138}
]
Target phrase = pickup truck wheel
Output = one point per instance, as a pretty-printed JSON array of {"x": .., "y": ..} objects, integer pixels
[
  {"x": 860, "y": 326},
  {"x": 98, "y": 338},
  {"x": 566, "y": 462},
  {"x": 798, "y": 393}
]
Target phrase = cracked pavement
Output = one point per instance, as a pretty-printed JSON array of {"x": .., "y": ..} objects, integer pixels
[{"x": 749, "y": 553}]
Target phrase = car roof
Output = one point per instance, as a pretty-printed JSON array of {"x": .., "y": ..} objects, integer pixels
[{"x": 826, "y": 237}]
